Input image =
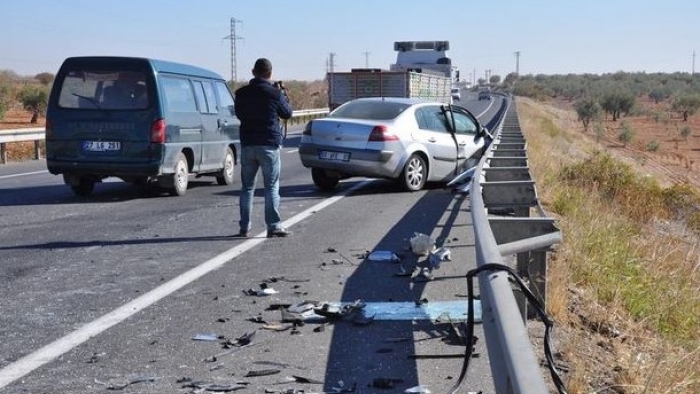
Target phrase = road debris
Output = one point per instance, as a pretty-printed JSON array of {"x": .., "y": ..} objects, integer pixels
[
  {"x": 121, "y": 384},
  {"x": 421, "y": 244},
  {"x": 213, "y": 387},
  {"x": 263, "y": 291},
  {"x": 383, "y": 255},
  {"x": 417, "y": 390},
  {"x": 262, "y": 372},
  {"x": 438, "y": 256},
  {"x": 206, "y": 337}
]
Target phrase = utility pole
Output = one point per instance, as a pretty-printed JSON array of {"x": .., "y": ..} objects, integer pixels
[
  {"x": 233, "y": 37},
  {"x": 693, "y": 69},
  {"x": 517, "y": 63},
  {"x": 331, "y": 66},
  {"x": 366, "y": 58}
]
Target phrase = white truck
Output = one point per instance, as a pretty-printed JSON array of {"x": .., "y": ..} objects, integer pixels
[{"x": 422, "y": 70}]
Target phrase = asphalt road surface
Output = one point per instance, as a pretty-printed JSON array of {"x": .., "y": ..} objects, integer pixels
[{"x": 139, "y": 293}]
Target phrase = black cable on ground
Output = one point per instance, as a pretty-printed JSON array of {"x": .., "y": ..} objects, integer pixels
[{"x": 539, "y": 308}]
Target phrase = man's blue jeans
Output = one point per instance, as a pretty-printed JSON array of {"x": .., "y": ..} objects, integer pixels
[{"x": 266, "y": 158}]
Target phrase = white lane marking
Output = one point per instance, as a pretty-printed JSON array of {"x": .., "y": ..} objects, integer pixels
[
  {"x": 62, "y": 345},
  {"x": 23, "y": 174}
]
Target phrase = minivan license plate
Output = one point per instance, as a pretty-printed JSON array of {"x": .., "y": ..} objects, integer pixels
[
  {"x": 101, "y": 146},
  {"x": 331, "y": 155}
]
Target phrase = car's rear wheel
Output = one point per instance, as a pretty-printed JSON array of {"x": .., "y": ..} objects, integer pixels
[
  {"x": 323, "y": 180},
  {"x": 226, "y": 175},
  {"x": 415, "y": 173},
  {"x": 180, "y": 177}
]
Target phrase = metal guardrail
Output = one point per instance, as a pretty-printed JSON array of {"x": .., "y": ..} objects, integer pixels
[
  {"x": 37, "y": 134},
  {"x": 502, "y": 198}
]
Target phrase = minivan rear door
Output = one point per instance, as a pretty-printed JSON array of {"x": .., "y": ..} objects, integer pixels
[{"x": 102, "y": 112}]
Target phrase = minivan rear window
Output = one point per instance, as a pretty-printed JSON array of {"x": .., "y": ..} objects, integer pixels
[{"x": 104, "y": 89}]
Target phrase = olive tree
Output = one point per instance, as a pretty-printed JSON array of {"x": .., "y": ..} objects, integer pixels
[
  {"x": 687, "y": 105},
  {"x": 617, "y": 103},
  {"x": 587, "y": 110},
  {"x": 45, "y": 78},
  {"x": 4, "y": 99},
  {"x": 34, "y": 99}
]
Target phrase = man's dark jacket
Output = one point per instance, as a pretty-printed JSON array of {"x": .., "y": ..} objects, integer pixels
[{"x": 259, "y": 106}]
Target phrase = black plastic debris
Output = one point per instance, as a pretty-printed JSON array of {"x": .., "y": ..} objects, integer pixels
[
  {"x": 243, "y": 340},
  {"x": 301, "y": 379},
  {"x": 334, "y": 311},
  {"x": 262, "y": 372}
]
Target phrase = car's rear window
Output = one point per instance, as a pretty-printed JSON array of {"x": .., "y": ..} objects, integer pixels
[
  {"x": 371, "y": 110},
  {"x": 104, "y": 89}
]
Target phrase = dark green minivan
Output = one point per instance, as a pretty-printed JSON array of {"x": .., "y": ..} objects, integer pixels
[{"x": 146, "y": 121}]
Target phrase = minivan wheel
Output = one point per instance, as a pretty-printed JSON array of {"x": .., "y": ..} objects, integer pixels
[
  {"x": 83, "y": 187},
  {"x": 414, "y": 174},
  {"x": 225, "y": 177},
  {"x": 180, "y": 177},
  {"x": 323, "y": 180}
]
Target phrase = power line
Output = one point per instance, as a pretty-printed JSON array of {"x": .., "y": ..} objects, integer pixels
[
  {"x": 233, "y": 37},
  {"x": 366, "y": 58}
]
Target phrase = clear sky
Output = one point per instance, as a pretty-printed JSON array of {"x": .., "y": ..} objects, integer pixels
[{"x": 552, "y": 36}]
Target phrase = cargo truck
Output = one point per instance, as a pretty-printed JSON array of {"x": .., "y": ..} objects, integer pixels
[{"x": 422, "y": 70}]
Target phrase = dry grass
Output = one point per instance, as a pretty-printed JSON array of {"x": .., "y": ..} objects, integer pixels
[{"x": 624, "y": 286}]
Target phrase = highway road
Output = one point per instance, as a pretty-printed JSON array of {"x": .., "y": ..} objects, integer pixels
[{"x": 141, "y": 293}]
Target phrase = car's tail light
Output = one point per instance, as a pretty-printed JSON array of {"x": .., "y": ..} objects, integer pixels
[
  {"x": 382, "y": 134},
  {"x": 158, "y": 131},
  {"x": 307, "y": 128}
]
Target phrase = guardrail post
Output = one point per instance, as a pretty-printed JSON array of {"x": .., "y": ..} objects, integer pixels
[
  {"x": 3, "y": 153},
  {"x": 37, "y": 150}
]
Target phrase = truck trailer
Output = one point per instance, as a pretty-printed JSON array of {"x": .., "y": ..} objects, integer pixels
[{"x": 422, "y": 70}]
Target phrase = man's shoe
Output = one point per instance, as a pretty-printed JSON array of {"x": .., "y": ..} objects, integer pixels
[
  {"x": 241, "y": 234},
  {"x": 278, "y": 232}
]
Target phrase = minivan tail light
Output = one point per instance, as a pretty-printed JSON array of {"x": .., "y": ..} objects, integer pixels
[
  {"x": 158, "y": 132},
  {"x": 382, "y": 134}
]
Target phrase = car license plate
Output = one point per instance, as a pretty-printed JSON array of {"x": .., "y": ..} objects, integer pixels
[
  {"x": 331, "y": 155},
  {"x": 101, "y": 146}
]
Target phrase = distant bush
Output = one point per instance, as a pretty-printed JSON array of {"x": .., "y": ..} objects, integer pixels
[
  {"x": 5, "y": 93},
  {"x": 685, "y": 132},
  {"x": 653, "y": 146},
  {"x": 627, "y": 133}
]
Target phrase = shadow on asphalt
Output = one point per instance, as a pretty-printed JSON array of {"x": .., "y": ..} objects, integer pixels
[{"x": 382, "y": 350}]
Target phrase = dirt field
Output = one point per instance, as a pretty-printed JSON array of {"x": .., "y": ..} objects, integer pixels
[{"x": 676, "y": 158}]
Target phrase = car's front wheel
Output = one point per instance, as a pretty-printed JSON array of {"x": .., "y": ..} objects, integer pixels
[
  {"x": 323, "y": 180},
  {"x": 415, "y": 173}
]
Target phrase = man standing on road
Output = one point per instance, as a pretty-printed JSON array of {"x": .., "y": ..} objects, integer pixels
[{"x": 259, "y": 106}]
